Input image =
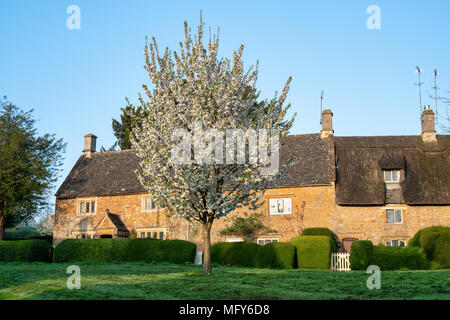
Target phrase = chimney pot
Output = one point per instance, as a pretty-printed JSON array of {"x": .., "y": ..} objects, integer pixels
[
  {"x": 327, "y": 123},
  {"x": 427, "y": 121},
  {"x": 90, "y": 142}
]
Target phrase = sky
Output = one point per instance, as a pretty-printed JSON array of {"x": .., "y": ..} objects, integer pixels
[{"x": 76, "y": 80}]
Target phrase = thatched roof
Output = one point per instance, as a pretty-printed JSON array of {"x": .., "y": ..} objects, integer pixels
[
  {"x": 361, "y": 160},
  {"x": 112, "y": 172}
]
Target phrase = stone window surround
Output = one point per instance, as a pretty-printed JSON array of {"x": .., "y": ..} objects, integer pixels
[
  {"x": 152, "y": 230},
  {"x": 265, "y": 239},
  {"x": 86, "y": 233},
  {"x": 234, "y": 239},
  {"x": 144, "y": 197},
  {"x": 401, "y": 209},
  {"x": 391, "y": 245},
  {"x": 80, "y": 200}
]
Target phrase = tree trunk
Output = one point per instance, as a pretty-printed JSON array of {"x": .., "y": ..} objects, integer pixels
[
  {"x": 207, "y": 248},
  {"x": 2, "y": 224}
]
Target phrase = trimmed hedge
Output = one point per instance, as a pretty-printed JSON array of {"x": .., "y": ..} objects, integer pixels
[
  {"x": 151, "y": 250},
  {"x": 395, "y": 258},
  {"x": 25, "y": 250},
  {"x": 435, "y": 242},
  {"x": 361, "y": 254},
  {"x": 322, "y": 232},
  {"x": 234, "y": 253},
  {"x": 120, "y": 250},
  {"x": 249, "y": 254},
  {"x": 276, "y": 255},
  {"x": 313, "y": 252}
]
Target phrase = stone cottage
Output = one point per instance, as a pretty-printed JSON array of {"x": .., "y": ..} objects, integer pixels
[{"x": 379, "y": 188}]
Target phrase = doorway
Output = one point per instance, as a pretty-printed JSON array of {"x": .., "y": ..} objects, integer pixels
[
  {"x": 347, "y": 243},
  {"x": 106, "y": 236}
]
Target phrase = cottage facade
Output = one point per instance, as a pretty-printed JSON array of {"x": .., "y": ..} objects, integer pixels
[{"x": 381, "y": 188}]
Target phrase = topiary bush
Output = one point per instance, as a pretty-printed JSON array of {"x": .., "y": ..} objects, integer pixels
[
  {"x": 25, "y": 250},
  {"x": 276, "y": 255},
  {"x": 361, "y": 253},
  {"x": 435, "y": 242},
  {"x": 322, "y": 232},
  {"x": 119, "y": 250},
  {"x": 395, "y": 258},
  {"x": 313, "y": 252},
  {"x": 234, "y": 253}
]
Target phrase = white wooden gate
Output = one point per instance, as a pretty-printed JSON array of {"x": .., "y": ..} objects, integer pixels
[{"x": 340, "y": 261}]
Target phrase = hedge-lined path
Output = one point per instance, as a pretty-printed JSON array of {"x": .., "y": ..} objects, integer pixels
[{"x": 165, "y": 281}]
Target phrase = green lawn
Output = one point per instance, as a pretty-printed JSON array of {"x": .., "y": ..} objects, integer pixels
[{"x": 164, "y": 281}]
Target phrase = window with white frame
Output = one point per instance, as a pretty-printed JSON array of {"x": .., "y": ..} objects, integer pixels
[
  {"x": 280, "y": 206},
  {"x": 263, "y": 241},
  {"x": 394, "y": 216},
  {"x": 148, "y": 204},
  {"x": 395, "y": 243},
  {"x": 391, "y": 175}
]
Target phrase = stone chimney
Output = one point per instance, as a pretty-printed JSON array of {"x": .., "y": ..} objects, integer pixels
[
  {"x": 428, "y": 130},
  {"x": 327, "y": 124},
  {"x": 90, "y": 142}
]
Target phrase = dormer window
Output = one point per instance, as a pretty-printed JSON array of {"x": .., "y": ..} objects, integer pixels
[{"x": 391, "y": 175}]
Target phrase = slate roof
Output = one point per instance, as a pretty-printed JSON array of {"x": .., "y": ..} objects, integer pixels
[
  {"x": 113, "y": 172},
  {"x": 361, "y": 160},
  {"x": 104, "y": 174}
]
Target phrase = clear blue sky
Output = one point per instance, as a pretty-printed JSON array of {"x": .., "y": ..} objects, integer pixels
[{"x": 76, "y": 80}]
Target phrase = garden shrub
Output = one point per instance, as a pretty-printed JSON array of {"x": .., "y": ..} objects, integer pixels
[
  {"x": 234, "y": 253},
  {"x": 25, "y": 250},
  {"x": 119, "y": 250},
  {"x": 276, "y": 255},
  {"x": 435, "y": 242},
  {"x": 322, "y": 232},
  {"x": 152, "y": 250},
  {"x": 395, "y": 258},
  {"x": 313, "y": 252},
  {"x": 361, "y": 253}
]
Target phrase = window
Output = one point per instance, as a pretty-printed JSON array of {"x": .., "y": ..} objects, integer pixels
[
  {"x": 391, "y": 175},
  {"x": 280, "y": 206},
  {"x": 263, "y": 241},
  {"x": 154, "y": 233},
  {"x": 394, "y": 216},
  {"x": 148, "y": 204},
  {"x": 87, "y": 207},
  {"x": 395, "y": 243}
]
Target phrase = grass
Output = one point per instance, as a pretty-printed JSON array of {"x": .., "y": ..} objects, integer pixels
[{"x": 165, "y": 281}]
